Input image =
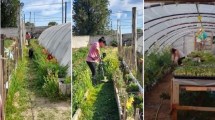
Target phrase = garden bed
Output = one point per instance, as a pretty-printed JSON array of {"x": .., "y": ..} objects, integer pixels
[
  {"x": 198, "y": 65},
  {"x": 128, "y": 93},
  {"x": 101, "y": 95}
]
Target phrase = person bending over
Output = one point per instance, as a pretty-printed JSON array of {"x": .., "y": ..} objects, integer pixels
[
  {"x": 177, "y": 56},
  {"x": 93, "y": 57}
]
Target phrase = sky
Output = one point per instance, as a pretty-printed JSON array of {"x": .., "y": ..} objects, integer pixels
[
  {"x": 45, "y": 11},
  {"x": 122, "y": 10},
  {"x": 51, "y": 10}
]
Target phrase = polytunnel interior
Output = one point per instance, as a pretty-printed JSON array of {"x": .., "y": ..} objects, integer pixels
[
  {"x": 173, "y": 24},
  {"x": 57, "y": 40}
]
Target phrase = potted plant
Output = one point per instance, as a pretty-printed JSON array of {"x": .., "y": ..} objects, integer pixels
[{"x": 64, "y": 82}]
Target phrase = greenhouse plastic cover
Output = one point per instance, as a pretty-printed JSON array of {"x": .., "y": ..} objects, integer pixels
[
  {"x": 57, "y": 40},
  {"x": 166, "y": 23}
]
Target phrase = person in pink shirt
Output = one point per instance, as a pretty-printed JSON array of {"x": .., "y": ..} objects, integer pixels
[{"x": 93, "y": 57}]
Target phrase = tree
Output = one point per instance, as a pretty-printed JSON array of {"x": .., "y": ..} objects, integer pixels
[
  {"x": 90, "y": 16},
  {"x": 29, "y": 24},
  {"x": 52, "y": 23},
  {"x": 9, "y": 9},
  {"x": 139, "y": 30}
]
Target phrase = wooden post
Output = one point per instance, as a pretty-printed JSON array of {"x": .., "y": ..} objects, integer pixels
[
  {"x": 19, "y": 31},
  {"x": 175, "y": 99},
  {"x": 117, "y": 32},
  {"x": 124, "y": 112},
  {"x": 195, "y": 46},
  {"x": 137, "y": 115},
  {"x": 134, "y": 36},
  {"x": 1, "y": 88},
  {"x": 120, "y": 40}
]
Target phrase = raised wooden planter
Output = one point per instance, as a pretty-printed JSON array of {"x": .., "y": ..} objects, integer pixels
[
  {"x": 65, "y": 89},
  {"x": 116, "y": 92},
  {"x": 78, "y": 112}
]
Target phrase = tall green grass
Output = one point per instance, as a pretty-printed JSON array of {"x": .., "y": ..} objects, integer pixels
[{"x": 17, "y": 94}]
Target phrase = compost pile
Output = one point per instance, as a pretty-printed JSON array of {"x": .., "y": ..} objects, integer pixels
[{"x": 197, "y": 65}]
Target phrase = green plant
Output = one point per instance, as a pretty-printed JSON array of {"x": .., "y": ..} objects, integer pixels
[
  {"x": 156, "y": 65},
  {"x": 17, "y": 91},
  {"x": 62, "y": 71},
  {"x": 51, "y": 87},
  {"x": 132, "y": 87},
  {"x": 68, "y": 80},
  {"x": 114, "y": 43}
]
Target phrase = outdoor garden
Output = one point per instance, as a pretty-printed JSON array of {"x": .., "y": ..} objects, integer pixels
[
  {"x": 35, "y": 87},
  {"x": 111, "y": 100}
]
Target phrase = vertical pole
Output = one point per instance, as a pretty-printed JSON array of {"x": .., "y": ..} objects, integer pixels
[
  {"x": 117, "y": 31},
  {"x": 111, "y": 27},
  {"x": 134, "y": 36},
  {"x": 1, "y": 90},
  {"x": 19, "y": 31},
  {"x": 65, "y": 11},
  {"x": 120, "y": 39},
  {"x": 30, "y": 18},
  {"x": 34, "y": 19},
  {"x": 62, "y": 11},
  {"x": 24, "y": 18},
  {"x": 2, "y": 75}
]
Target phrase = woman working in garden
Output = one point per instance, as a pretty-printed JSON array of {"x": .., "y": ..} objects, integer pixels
[
  {"x": 177, "y": 56},
  {"x": 93, "y": 57}
]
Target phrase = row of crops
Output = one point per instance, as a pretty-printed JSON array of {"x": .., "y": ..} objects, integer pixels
[
  {"x": 49, "y": 72},
  {"x": 156, "y": 66},
  {"x": 46, "y": 82},
  {"x": 82, "y": 83},
  {"x": 128, "y": 91},
  {"x": 198, "y": 64}
]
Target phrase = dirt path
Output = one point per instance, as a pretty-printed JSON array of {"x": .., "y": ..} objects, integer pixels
[
  {"x": 153, "y": 100},
  {"x": 41, "y": 108}
]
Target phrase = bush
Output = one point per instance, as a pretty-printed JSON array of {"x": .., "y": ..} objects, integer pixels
[
  {"x": 132, "y": 87},
  {"x": 156, "y": 65},
  {"x": 114, "y": 43}
]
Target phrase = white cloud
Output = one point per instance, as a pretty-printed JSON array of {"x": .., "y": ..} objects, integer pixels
[
  {"x": 43, "y": 6},
  {"x": 124, "y": 5}
]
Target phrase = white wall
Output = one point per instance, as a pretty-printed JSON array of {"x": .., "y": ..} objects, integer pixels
[
  {"x": 10, "y": 32},
  {"x": 84, "y": 41}
]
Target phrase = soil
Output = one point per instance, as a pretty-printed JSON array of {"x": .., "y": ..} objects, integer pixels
[{"x": 153, "y": 101}]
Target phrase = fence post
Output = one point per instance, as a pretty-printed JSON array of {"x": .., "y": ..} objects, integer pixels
[
  {"x": 134, "y": 36},
  {"x": 137, "y": 115}
]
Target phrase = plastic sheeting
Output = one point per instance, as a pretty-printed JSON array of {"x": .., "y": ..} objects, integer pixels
[
  {"x": 57, "y": 40},
  {"x": 166, "y": 23}
]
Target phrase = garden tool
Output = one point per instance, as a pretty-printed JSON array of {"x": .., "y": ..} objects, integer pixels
[{"x": 101, "y": 67}]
